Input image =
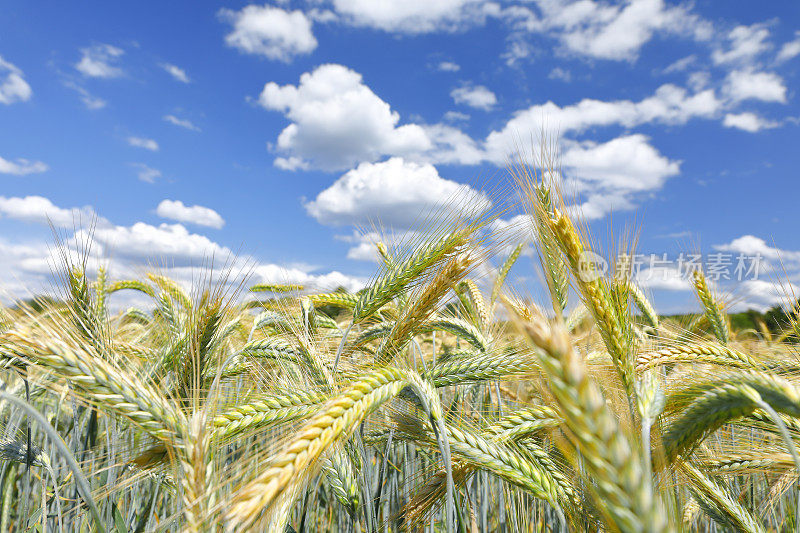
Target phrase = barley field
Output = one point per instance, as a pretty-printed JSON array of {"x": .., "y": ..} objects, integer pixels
[{"x": 439, "y": 398}]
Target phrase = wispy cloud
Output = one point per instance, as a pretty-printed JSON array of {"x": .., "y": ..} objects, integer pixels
[
  {"x": 176, "y": 72},
  {"x": 142, "y": 142},
  {"x": 181, "y": 122},
  {"x": 13, "y": 87},
  {"x": 99, "y": 61},
  {"x": 21, "y": 167},
  {"x": 146, "y": 173}
]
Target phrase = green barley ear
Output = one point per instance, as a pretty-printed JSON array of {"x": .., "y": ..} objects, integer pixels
[
  {"x": 424, "y": 304},
  {"x": 173, "y": 289},
  {"x": 644, "y": 305},
  {"x": 342, "y": 479},
  {"x": 338, "y": 418},
  {"x": 705, "y": 353},
  {"x": 718, "y": 503},
  {"x": 505, "y": 268},
  {"x": 131, "y": 284},
  {"x": 553, "y": 264},
  {"x": 383, "y": 251},
  {"x": 100, "y": 288},
  {"x": 718, "y": 400},
  {"x": 539, "y": 193},
  {"x": 276, "y": 288},
  {"x": 606, "y": 303},
  {"x": 396, "y": 278},
  {"x": 477, "y": 305},
  {"x": 711, "y": 307},
  {"x": 612, "y": 462},
  {"x": 84, "y": 309}
]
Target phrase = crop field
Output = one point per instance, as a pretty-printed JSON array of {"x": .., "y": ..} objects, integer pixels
[{"x": 438, "y": 398}]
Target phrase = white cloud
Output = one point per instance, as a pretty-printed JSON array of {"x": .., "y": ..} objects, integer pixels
[
  {"x": 680, "y": 65},
  {"x": 448, "y": 66},
  {"x": 790, "y": 49},
  {"x": 270, "y": 32},
  {"x": 168, "y": 241},
  {"x": 196, "y": 214},
  {"x": 128, "y": 250},
  {"x": 270, "y": 273},
  {"x": 98, "y": 61},
  {"x": 598, "y": 205},
  {"x": 746, "y": 84},
  {"x": 141, "y": 142},
  {"x": 89, "y": 100},
  {"x": 512, "y": 231},
  {"x": 13, "y": 87},
  {"x": 760, "y": 294},
  {"x": 663, "y": 278},
  {"x": 337, "y": 121},
  {"x": 745, "y": 44},
  {"x": 605, "y": 31},
  {"x": 751, "y": 245},
  {"x": 626, "y": 163},
  {"x": 699, "y": 80},
  {"x": 176, "y": 72},
  {"x": 396, "y": 193},
  {"x": 670, "y": 105},
  {"x": 145, "y": 173},
  {"x": 413, "y": 16},
  {"x": 610, "y": 176},
  {"x": 21, "y": 167},
  {"x": 455, "y": 116},
  {"x": 559, "y": 73},
  {"x": 41, "y": 210},
  {"x": 181, "y": 122},
  {"x": 476, "y": 96},
  {"x": 748, "y": 122}
]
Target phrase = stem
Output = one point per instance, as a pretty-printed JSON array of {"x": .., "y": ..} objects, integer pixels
[{"x": 80, "y": 479}]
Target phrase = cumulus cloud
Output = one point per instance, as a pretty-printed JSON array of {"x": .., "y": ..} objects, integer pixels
[
  {"x": 751, "y": 245},
  {"x": 13, "y": 87},
  {"x": 271, "y": 273},
  {"x": 127, "y": 250},
  {"x": 762, "y": 294},
  {"x": 397, "y": 193},
  {"x": 176, "y": 72},
  {"x": 476, "y": 96},
  {"x": 181, "y": 122},
  {"x": 514, "y": 230},
  {"x": 663, "y": 278},
  {"x": 21, "y": 167},
  {"x": 745, "y": 43},
  {"x": 99, "y": 61},
  {"x": 605, "y": 31},
  {"x": 413, "y": 16},
  {"x": 669, "y": 105},
  {"x": 41, "y": 210},
  {"x": 143, "y": 241},
  {"x": 196, "y": 214},
  {"x": 626, "y": 163},
  {"x": 746, "y": 84},
  {"x": 611, "y": 176},
  {"x": 145, "y": 173},
  {"x": 270, "y": 32},
  {"x": 337, "y": 121},
  {"x": 748, "y": 121},
  {"x": 142, "y": 142}
]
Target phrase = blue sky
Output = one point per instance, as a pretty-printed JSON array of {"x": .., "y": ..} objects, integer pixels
[{"x": 279, "y": 131}]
